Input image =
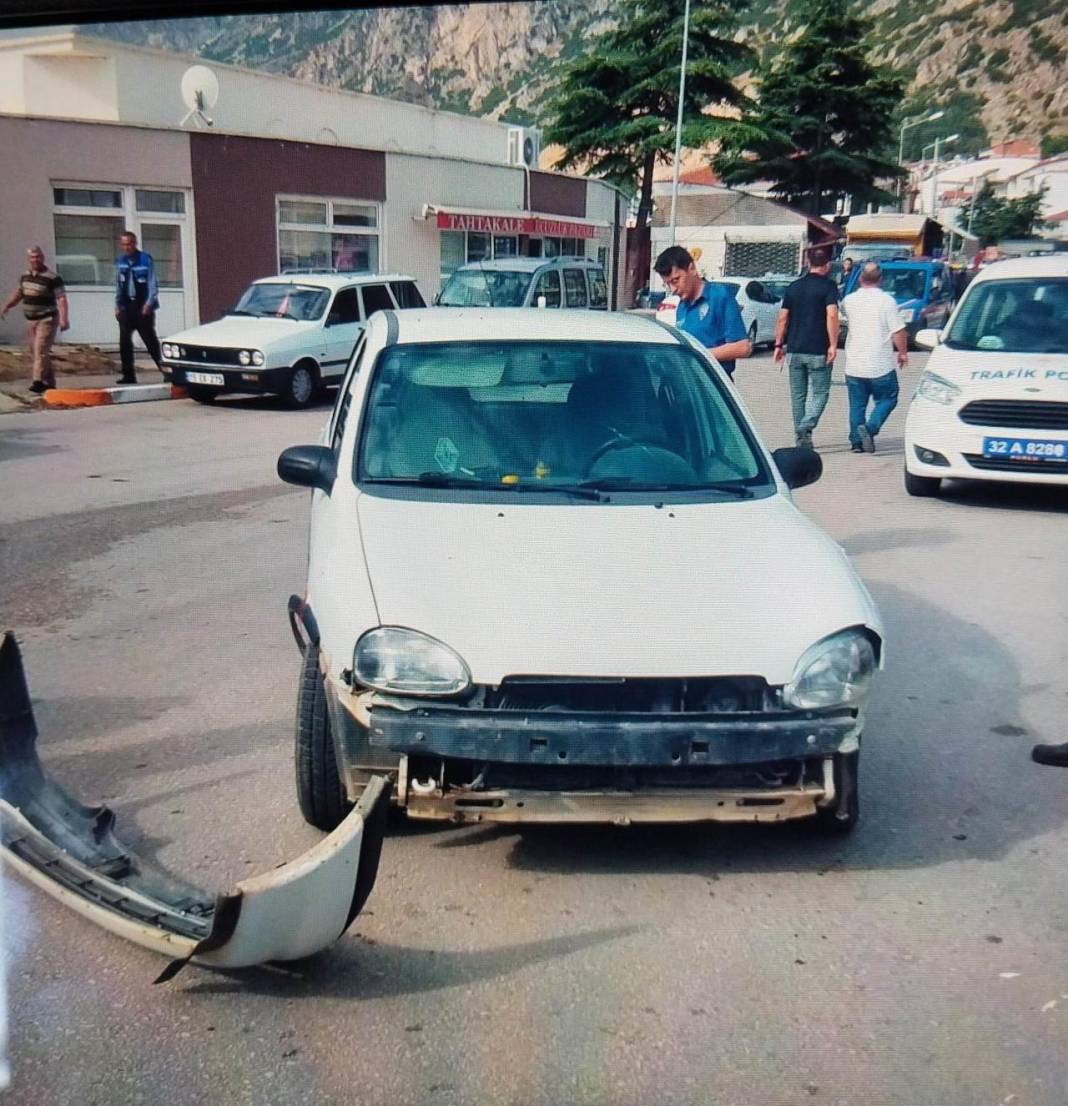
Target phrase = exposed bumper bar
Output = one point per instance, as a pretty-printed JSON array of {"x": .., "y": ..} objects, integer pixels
[
  {"x": 70, "y": 852},
  {"x": 618, "y": 740}
]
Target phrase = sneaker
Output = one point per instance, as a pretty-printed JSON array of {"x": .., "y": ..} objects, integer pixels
[
  {"x": 37, "y": 387},
  {"x": 867, "y": 442},
  {"x": 1054, "y": 755},
  {"x": 804, "y": 439},
  {"x": 855, "y": 448}
]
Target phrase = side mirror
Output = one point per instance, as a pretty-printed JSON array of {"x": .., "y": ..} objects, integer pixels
[
  {"x": 308, "y": 466},
  {"x": 928, "y": 339},
  {"x": 799, "y": 467}
]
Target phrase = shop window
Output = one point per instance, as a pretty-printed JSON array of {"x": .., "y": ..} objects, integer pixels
[
  {"x": 453, "y": 252},
  {"x": 551, "y": 247},
  {"x": 479, "y": 246},
  {"x": 339, "y": 235},
  {"x": 505, "y": 246}
]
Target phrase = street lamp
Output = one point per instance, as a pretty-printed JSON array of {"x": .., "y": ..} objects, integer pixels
[
  {"x": 912, "y": 121},
  {"x": 937, "y": 144},
  {"x": 678, "y": 121}
]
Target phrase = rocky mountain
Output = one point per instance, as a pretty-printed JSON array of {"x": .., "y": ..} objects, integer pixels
[{"x": 1000, "y": 64}]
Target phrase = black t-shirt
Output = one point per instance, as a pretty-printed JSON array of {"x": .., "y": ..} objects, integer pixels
[{"x": 807, "y": 301}]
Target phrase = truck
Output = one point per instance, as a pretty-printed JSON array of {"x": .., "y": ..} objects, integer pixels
[{"x": 887, "y": 237}]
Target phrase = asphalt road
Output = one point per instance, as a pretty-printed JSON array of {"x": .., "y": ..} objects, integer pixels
[{"x": 147, "y": 553}]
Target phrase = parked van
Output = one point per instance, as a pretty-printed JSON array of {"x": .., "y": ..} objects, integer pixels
[{"x": 526, "y": 282}]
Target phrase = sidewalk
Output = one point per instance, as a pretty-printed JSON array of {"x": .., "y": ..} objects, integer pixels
[{"x": 82, "y": 388}]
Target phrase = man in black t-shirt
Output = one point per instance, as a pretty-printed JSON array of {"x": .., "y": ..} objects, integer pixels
[{"x": 807, "y": 328}]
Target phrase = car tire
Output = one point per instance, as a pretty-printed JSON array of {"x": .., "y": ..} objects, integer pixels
[
  {"x": 320, "y": 792},
  {"x": 201, "y": 395},
  {"x": 842, "y": 815},
  {"x": 303, "y": 385},
  {"x": 922, "y": 486}
]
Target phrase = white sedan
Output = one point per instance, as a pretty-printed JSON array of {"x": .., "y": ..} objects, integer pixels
[
  {"x": 759, "y": 307},
  {"x": 533, "y": 592},
  {"x": 993, "y": 401}
]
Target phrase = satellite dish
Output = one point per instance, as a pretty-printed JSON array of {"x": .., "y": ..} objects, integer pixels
[{"x": 200, "y": 92}]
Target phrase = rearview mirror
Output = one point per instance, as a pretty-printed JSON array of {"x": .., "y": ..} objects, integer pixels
[
  {"x": 308, "y": 466},
  {"x": 798, "y": 466},
  {"x": 928, "y": 339}
]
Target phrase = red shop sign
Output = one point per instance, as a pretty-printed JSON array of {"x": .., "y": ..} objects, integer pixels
[{"x": 517, "y": 224}]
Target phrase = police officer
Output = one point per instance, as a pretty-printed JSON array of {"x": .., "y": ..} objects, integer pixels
[{"x": 136, "y": 303}]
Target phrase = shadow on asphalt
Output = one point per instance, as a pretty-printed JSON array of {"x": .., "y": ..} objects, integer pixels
[
  {"x": 17, "y": 445},
  {"x": 1006, "y": 497},
  {"x": 366, "y": 970}
]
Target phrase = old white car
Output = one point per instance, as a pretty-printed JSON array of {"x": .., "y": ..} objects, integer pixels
[
  {"x": 993, "y": 401},
  {"x": 291, "y": 335},
  {"x": 554, "y": 575}
]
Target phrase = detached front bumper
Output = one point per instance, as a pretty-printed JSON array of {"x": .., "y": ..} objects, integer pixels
[{"x": 464, "y": 765}]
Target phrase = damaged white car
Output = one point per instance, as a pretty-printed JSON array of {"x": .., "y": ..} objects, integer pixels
[
  {"x": 70, "y": 851},
  {"x": 555, "y": 576}
]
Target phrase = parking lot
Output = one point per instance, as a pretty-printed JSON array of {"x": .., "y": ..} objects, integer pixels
[{"x": 148, "y": 552}]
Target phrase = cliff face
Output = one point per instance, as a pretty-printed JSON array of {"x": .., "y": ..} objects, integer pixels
[{"x": 1007, "y": 57}]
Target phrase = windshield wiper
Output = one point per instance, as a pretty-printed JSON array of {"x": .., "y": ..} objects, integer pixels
[
  {"x": 576, "y": 491},
  {"x": 451, "y": 480},
  {"x": 629, "y": 484},
  {"x": 241, "y": 311}
]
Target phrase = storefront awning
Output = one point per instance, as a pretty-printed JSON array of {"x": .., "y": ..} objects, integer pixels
[{"x": 513, "y": 222}]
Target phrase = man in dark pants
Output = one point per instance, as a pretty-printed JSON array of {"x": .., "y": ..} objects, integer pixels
[
  {"x": 807, "y": 327},
  {"x": 136, "y": 303}
]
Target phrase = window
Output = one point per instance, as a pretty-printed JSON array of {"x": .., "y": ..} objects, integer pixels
[
  {"x": 406, "y": 294},
  {"x": 505, "y": 246},
  {"x": 453, "y": 252},
  {"x": 346, "y": 307},
  {"x": 344, "y": 395},
  {"x": 164, "y": 242},
  {"x": 86, "y": 247},
  {"x": 375, "y": 298},
  {"x": 479, "y": 246},
  {"x": 549, "y": 287},
  {"x": 170, "y": 203},
  {"x": 598, "y": 289},
  {"x": 87, "y": 197},
  {"x": 282, "y": 301},
  {"x": 339, "y": 235},
  {"x": 575, "y": 287}
]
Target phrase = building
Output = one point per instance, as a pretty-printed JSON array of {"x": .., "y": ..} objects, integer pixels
[
  {"x": 274, "y": 174},
  {"x": 734, "y": 233}
]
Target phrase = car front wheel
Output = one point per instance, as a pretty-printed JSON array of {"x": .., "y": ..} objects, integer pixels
[
  {"x": 303, "y": 384},
  {"x": 320, "y": 791},
  {"x": 922, "y": 486}
]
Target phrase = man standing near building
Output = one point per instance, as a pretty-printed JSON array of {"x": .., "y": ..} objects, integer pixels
[
  {"x": 876, "y": 346},
  {"x": 136, "y": 303},
  {"x": 807, "y": 328},
  {"x": 44, "y": 303},
  {"x": 707, "y": 311}
]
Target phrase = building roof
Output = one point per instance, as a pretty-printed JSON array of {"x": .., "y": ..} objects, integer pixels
[
  {"x": 703, "y": 175},
  {"x": 727, "y": 207},
  {"x": 1014, "y": 147}
]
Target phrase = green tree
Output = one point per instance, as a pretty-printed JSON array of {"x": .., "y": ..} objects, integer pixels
[
  {"x": 1053, "y": 144},
  {"x": 614, "y": 109},
  {"x": 993, "y": 218},
  {"x": 822, "y": 125}
]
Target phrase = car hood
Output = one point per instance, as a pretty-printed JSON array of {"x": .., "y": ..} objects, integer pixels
[
  {"x": 242, "y": 332},
  {"x": 594, "y": 590},
  {"x": 1040, "y": 376}
]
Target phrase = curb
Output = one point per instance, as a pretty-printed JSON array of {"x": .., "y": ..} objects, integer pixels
[{"x": 105, "y": 397}]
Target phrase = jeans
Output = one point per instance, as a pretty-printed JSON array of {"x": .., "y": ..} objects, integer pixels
[
  {"x": 42, "y": 334},
  {"x": 881, "y": 389},
  {"x": 131, "y": 320},
  {"x": 810, "y": 387}
]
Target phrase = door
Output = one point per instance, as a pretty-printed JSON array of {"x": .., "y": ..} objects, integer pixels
[
  {"x": 166, "y": 242},
  {"x": 342, "y": 329}
]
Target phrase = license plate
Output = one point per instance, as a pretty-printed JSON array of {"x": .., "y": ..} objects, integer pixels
[
  {"x": 205, "y": 378},
  {"x": 1025, "y": 449}
]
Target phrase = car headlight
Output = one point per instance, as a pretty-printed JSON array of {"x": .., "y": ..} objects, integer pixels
[
  {"x": 832, "y": 673},
  {"x": 937, "y": 389},
  {"x": 244, "y": 357},
  {"x": 257, "y": 357},
  {"x": 181, "y": 350},
  {"x": 406, "y": 662},
  {"x": 168, "y": 350}
]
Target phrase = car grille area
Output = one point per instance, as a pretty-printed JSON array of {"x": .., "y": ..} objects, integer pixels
[
  {"x": 1029, "y": 414},
  {"x": 209, "y": 355}
]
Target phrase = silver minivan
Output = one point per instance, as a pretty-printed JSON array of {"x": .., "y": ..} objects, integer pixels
[{"x": 527, "y": 282}]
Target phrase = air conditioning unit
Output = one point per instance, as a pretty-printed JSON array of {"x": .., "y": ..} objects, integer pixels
[{"x": 524, "y": 146}]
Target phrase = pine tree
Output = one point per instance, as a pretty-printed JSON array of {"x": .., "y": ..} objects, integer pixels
[
  {"x": 822, "y": 124},
  {"x": 614, "y": 109}
]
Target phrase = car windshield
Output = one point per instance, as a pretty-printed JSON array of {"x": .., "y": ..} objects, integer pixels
[
  {"x": 1013, "y": 316},
  {"x": 485, "y": 288},
  {"x": 904, "y": 284},
  {"x": 555, "y": 416},
  {"x": 283, "y": 301}
]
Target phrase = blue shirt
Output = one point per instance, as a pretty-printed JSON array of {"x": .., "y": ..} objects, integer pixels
[
  {"x": 713, "y": 319},
  {"x": 135, "y": 281}
]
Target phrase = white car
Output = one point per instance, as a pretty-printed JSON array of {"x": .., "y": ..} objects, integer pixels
[
  {"x": 556, "y": 576},
  {"x": 993, "y": 401},
  {"x": 759, "y": 307},
  {"x": 291, "y": 335}
]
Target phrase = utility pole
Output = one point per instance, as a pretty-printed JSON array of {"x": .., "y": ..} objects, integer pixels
[{"x": 678, "y": 120}]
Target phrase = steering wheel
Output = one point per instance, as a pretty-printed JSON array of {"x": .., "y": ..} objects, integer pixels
[{"x": 624, "y": 441}]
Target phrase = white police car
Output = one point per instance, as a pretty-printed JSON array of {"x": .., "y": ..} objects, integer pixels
[
  {"x": 993, "y": 401},
  {"x": 553, "y": 575},
  {"x": 291, "y": 335}
]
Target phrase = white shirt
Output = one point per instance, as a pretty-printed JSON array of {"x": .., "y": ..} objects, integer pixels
[{"x": 873, "y": 318}]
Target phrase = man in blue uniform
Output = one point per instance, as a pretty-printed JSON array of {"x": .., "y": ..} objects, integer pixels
[
  {"x": 707, "y": 311},
  {"x": 136, "y": 303}
]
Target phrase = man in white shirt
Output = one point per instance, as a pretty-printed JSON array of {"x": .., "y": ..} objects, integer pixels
[{"x": 876, "y": 346}]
